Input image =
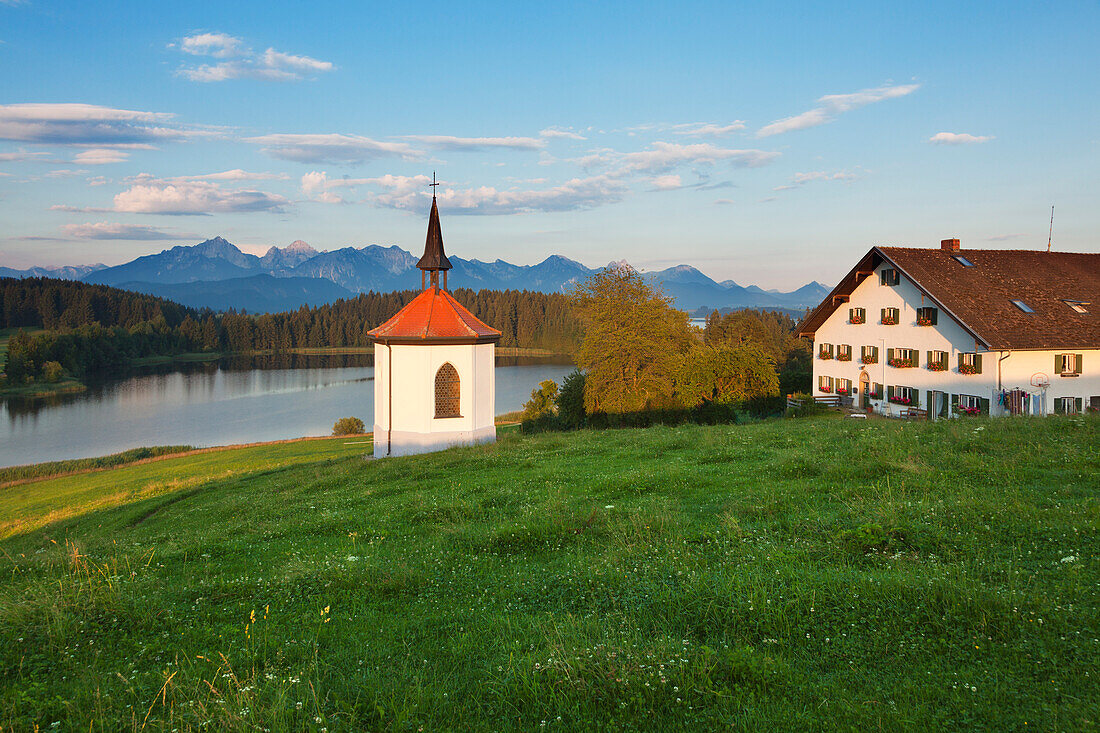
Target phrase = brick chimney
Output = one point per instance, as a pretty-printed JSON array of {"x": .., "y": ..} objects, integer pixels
[{"x": 951, "y": 245}]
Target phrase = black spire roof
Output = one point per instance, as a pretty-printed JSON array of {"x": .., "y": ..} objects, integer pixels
[{"x": 434, "y": 257}]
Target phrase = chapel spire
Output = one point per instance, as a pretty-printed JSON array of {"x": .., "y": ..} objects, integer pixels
[{"x": 434, "y": 259}]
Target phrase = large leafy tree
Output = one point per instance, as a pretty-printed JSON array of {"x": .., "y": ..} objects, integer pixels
[
  {"x": 634, "y": 341},
  {"x": 726, "y": 375}
]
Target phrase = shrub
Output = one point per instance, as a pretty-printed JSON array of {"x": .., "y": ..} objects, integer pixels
[
  {"x": 348, "y": 426},
  {"x": 543, "y": 400},
  {"x": 571, "y": 401},
  {"x": 52, "y": 371}
]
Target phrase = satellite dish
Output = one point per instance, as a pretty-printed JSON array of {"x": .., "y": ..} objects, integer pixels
[{"x": 1040, "y": 380}]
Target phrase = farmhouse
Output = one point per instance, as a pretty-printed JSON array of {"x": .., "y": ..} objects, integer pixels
[
  {"x": 434, "y": 379},
  {"x": 951, "y": 331}
]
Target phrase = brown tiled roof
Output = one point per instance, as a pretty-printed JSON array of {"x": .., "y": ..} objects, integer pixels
[
  {"x": 980, "y": 297},
  {"x": 434, "y": 316}
]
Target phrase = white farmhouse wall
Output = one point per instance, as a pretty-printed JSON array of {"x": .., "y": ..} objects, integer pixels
[
  {"x": 405, "y": 374},
  {"x": 1016, "y": 370}
]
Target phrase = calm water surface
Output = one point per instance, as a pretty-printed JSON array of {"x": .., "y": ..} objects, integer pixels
[{"x": 239, "y": 401}]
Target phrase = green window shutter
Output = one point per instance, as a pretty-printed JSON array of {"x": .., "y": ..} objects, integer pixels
[
  {"x": 929, "y": 358},
  {"x": 1080, "y": 404},
  {"x": 1078, "y": 363},
  {"x": 1059, "y": 406},
  {"x": 954, "y": 404},
  {"x": 882, "y": 315},
  {"x": 1057, "y": 363},
  {"x": 978, "y": 363},
  {"x": 984, "y": 403},
  {"x": 889, "y": 355},
  {"x": 874, "y": 351},
  {"x": 878, "y": 390},
  {"x": 935, "y": 315}
]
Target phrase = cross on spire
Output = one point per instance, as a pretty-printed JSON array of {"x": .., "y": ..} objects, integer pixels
[{"x": 433, "y": 184}]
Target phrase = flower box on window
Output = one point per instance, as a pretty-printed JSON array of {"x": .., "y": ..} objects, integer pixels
[
  {"x": 844, "y": 356},
  {"x": 924, "y": 321},
  {"x": 875, "y": 396},
  {"x": 937, "y": 366},
  {"x": 842, "y": 391},
  {"x": 824, "y": 389},
  {"x": 889, "y": 321},
  {"x": 824, "y": 354},
  {"x": 900, "y": 363},
  {"x": 857, "y": 318},
  {"x": 901, "y": 400},
  {"x": 970, "y": 411},
  {"x": 869, "y": 359}
]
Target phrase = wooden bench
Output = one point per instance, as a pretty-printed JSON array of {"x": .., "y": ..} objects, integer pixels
[{"x": 914, "y": 413}]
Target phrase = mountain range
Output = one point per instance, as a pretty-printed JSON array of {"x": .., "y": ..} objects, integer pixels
[{"x": 218, "y": 275}]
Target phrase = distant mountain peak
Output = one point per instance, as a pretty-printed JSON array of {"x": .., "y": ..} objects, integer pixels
[{"x": 299, "y": 245}]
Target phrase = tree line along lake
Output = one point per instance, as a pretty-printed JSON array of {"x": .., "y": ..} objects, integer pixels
[{"x": 232, "y": 400}]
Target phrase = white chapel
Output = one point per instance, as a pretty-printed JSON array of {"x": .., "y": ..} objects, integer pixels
[{"x": 434, "y": 379}]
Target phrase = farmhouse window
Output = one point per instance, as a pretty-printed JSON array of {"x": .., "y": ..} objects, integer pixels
[
  {"x": 824, "y": 384},
  {"x": 877, "y": 391},
  {"x": 844, "y": 352},
  {"x": 890, "y": 276},
  {"x": 901, "y": 358},
  {"x": 844, "y": 387},
  {"x": 970, "y": 363},
  {"x": 825, "y": 352},
  {"x": 966, "y": 404},
  {"x": 903, "y": 395},
  {"x": 1067, "y": 365},
  {"x": 857, "y": 315},
  {"x": 927, "y": 316},
  {"x": 447, "y": 392},
  {"x": 890, "y": 316},
  {"x": 937, "y": 361},
  {"x": 1023, "y": 306},
  {"x": 1078, "y": 306},
  {"x": 1068, "y": 405},
  {"x": 868, "y": 354}
]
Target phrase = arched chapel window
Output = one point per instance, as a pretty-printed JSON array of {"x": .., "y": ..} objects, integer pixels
[{"x": 447, "y": 392}]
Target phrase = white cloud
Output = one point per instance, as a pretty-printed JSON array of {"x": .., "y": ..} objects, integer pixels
[
  {"x": 801, "y": 179},
  {"x": 241, "y": 63},
  {"x": 155, "y": 196},
  {"x": 957, "y": 138},
  {"x": 234, "y": 175},
  {"x": 1005, "y": 237},
  {"x": 317, "y": 186},
  {"x": 667, "y": 182},
  {"x": 22, "y": 156},
  {"x": 87, "y": 125},
  {"x": 832, "y": 105},
  {"x": 331, "y": 148},
  {"x": 107, "y": 230},
  {"x": 723, "y": 202},
  {"x": 218, "y": 45},
  {"x": 100, "y": 156},
  {"x": 706, "y": 129},
  {"x": 663, "y": 157},
  {"x": 408, "y": 192},
  {"x": 450, "y": 142},
  {"x": 555, "y": 132}
]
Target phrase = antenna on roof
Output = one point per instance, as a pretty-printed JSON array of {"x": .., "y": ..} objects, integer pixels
[{"x": 1050, "y": 234}]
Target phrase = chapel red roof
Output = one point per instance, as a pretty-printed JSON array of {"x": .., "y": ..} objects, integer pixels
[{"x": 434, "y": 316}]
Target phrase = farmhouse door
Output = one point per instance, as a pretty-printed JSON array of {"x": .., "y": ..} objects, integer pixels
[{"x": 865, "y": 389}]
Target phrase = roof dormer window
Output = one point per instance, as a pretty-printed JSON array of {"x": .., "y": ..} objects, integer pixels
[
  {"x": 1079, "y": 306},
  {"x": 1022, "y": 306}
]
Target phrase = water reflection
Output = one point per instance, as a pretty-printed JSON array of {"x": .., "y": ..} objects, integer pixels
[{"x": 235, "y": 400}]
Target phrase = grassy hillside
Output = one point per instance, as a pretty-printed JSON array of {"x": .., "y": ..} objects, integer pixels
[{"x": 790, "y": 574}]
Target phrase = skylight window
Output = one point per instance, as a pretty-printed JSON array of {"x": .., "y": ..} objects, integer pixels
[
  {"x": 963, "y": 261},
  {"x": 1079, "y": 306},
  {"x": 1022, "y": 306}
]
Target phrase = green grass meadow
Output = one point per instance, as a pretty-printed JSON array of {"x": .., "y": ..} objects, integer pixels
[{"x": 812, "y": 574}]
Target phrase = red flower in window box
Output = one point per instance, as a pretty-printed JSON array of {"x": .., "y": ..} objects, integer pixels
[
  {"x": 825, "y": 389},
  {"x": 901, "y": 400},
  {"x": 856, "y": 320},
  {"x": 823, "y": 354},
  {"x": 924, "y": 321},
  {"x": 937, "y": 366},
  {"x": 869, "y": 360},
  {"x": 889, "y": 321},
  {"x": 967, "y": 369},
  {"x": 843, "y": 357},
  {"x": 841, "y": 391},
  {"x": 970, "y": 411},
  {"x": 900, "y": 363},
  {"x": 875, "y": 396}
]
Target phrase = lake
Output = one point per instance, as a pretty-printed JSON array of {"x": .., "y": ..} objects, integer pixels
[{"x": 240, "y": 400}]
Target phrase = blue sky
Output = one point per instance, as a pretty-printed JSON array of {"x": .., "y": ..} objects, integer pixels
[{"x": 771, "y": 145}]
